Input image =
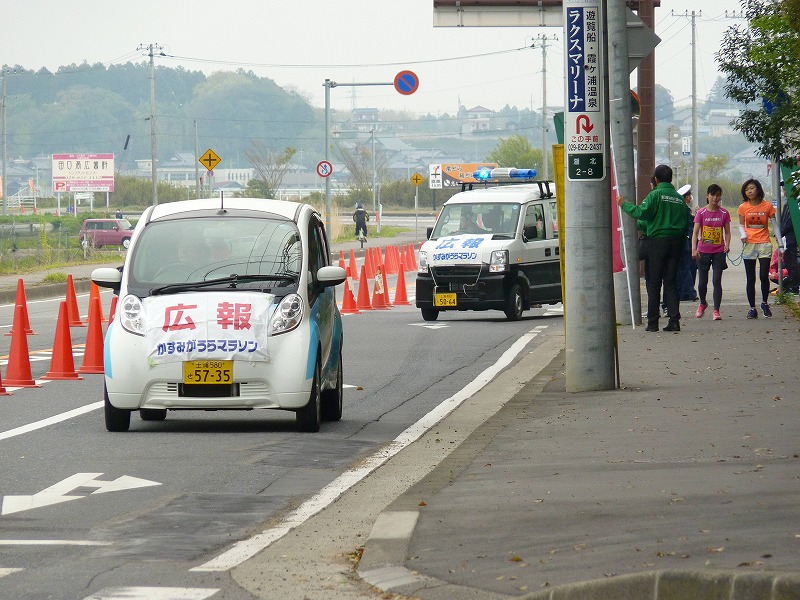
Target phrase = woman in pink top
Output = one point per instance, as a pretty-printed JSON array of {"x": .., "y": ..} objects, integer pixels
[
  {"x": 755, "y": 216},
  {"x": 711, "y": 240}
]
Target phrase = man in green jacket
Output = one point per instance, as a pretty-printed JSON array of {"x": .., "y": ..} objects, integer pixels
[{"x": 665, "y": 216}]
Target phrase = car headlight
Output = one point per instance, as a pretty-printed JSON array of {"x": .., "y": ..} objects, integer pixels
[
  {"x": 499, "y": 261},
  {"x": 422, "y": 264},
  {"x": 287, "y": 316},
  {"x": 130, "y": 313}
]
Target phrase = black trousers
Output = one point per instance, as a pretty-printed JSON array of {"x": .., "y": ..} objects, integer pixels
[{"x": 663, "y": 257}]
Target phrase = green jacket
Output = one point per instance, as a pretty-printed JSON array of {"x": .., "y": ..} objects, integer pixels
[{"x": 663, "y": 211}]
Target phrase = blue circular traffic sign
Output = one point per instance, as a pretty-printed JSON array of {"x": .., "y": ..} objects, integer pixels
[{"x": 406, "y": 82}]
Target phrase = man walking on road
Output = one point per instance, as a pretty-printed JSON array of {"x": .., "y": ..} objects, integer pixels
[{"x": 666, "y": 218}]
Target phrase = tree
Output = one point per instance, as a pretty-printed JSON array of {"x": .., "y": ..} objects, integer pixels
[
  {"x": 357, "y": 159},
  {"x": 760, "y": 63},
  {"x": 516, "y": 151},
  {"x": 270, "y": 168},
  {"x": 714, "y": 164}
]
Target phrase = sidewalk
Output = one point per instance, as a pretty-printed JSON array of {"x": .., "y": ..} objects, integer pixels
[{"x": 683, "y": 484}]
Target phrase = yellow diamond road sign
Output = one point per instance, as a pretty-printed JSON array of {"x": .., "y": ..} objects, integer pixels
[
  {"x": 416, "y": 179},
  {"x": 210, "y": 159}
]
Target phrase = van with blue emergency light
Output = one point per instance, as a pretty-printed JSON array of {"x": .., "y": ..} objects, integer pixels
[{"x": 492, "y": 248}]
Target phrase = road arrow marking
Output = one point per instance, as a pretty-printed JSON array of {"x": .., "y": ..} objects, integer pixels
[{"x": 60, "y": 492}]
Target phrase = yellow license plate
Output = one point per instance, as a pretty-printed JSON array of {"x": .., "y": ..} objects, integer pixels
[
  {"x": 208, "y": 371},
  {"x": 448, "y": 299}
]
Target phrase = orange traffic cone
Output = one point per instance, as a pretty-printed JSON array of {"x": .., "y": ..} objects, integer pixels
[
  {"x": 369, "y": 263},
  {"x": 93, "y": 350},
  {"x": 18, "y": 373},
  {"x": 341, "y": 262},
  {"x": 3, "y": 391},
  {"x": 20, "y": 300},
  {"x": 72, "y": 304},
  {"x": 94, "y": 292},
  {"x": 391, "y": 260},
  {"x": 353, "y": 267},
  {"x": 386, "y": 302},
  {"x": 363, "y": 302},
  {"x": 378, "y": 293},
  {"x": 400, "y": 295},
  {"x": 349, "y": 302},
  {"x": 62, "y": 363},
  {"x": 113, "y": 308}
]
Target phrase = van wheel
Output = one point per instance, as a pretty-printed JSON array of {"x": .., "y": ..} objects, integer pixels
[
  {"x": 126, "y": 243},
  {"x": 116, "y": 418},
  {"x": 310, "y": 416},
  {"x": 153, "y": 414},
  {"x": 514, "y": 303},
  {"x": 332, "y": 399},
  {"x": 429, "y": 314}
]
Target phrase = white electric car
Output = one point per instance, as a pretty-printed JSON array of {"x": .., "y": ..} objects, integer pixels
[{"x": 225, "y": 305}]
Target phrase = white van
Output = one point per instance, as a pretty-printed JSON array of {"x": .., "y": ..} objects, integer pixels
[{"x": 492, "y": 248}]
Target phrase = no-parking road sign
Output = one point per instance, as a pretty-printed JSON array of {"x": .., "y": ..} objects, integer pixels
[{"x": 406, "y": 82}]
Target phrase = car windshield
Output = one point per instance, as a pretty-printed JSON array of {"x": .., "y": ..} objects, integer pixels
[
  {"x": 493, "y": 218},
  {"x": 262, "y": 252},
  {"x": 124, "y": 224}
]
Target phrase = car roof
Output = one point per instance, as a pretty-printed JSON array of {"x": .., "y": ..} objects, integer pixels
[
  {"x": 514, "y": 194},
  {"x": 284, "y": 208}
]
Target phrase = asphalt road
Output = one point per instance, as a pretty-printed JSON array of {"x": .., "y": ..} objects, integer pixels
[{"x": 86, "y": 512}]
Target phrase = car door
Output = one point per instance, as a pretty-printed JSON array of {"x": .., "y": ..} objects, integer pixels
[
  {"x": 322, "y": 301},
  {"x": 540, "y": 260}
]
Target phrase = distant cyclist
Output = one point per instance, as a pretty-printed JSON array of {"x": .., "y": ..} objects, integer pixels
[{"x": 361, "y": 216}]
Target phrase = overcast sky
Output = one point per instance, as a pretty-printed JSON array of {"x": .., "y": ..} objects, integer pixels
[{"x": 300, "y": 43}]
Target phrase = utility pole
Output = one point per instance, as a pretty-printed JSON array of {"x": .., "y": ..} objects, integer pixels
[
  {"x": 151, "y": 50},
  {"x": 545, "y": 155},
  {"x": 5, "y": 145},
  {"x": 695, "y": 180}
]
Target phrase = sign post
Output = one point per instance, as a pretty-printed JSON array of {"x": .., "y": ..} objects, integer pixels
[
  {"x": 416, "y": 179},
  {"x": 590, "y": 332}
]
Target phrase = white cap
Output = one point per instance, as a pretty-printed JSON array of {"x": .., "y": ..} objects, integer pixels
[{"x": 683, "y": 190}]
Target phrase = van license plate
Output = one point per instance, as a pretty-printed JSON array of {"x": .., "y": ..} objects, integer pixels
[
  {"x": 448, "y": 299},
  {"x": 208, "y": 371}
]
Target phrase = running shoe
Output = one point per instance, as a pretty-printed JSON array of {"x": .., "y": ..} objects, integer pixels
[
  {"x": 765, "y": 308},
  {"x": 717, "y": 316},
  {"x": 752, "y": 314},
  {"x": 701, "y": 310}
]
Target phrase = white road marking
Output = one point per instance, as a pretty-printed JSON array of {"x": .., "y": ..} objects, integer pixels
[
  {"x": 50, "y": 420},
  {"x": 51, "y": 543},
  {"x": 152, "y": 593},
  {"x": 246, "y": 549},
  {"x": 9, "y": 571},
  {"x": 427, "y": 326}
]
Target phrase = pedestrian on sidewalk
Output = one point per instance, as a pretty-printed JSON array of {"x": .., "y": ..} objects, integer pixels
[
  {"x": 755, "y": 217},
  {"x": 711, "y": 241},
  {"x": 790, "y": 254},
  {"x": 665, "y": 215},
  {"x": 687, "y": 266}
]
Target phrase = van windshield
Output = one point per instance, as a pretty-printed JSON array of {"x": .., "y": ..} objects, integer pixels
[
  {"x": 202, "y": 249},
  {"x": 492, "y": 218}
]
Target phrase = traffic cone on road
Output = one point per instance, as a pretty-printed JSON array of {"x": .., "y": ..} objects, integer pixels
[
  {"x": 349, "y": 306},
  {"x": 341, "y": 262},
  {"x": 3, "y": 391},
  {"x": 72, "y": 305},
  {"x": 378, "y": 291},
  {"x": 20, "y": 300},
  {"x": 18, "y": 372},
  {"x": 353, "y": 267},
  {"x": 369, "y": 263},
  {"x": 400, "y": 295},
  {"x": 363, "y": 302},
  {"x": 94, "y": 292},
  {"x": 62, "y": 362},
  {"x": 113, "y": 308},
  {"x": 93, "y": 350}
]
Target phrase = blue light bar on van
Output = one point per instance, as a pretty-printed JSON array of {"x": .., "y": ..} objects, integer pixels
[{"x": 484, "y": 174}]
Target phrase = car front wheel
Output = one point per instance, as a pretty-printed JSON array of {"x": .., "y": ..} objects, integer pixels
[
  {"x": 126, "y": 243},
  {"x": 332, "y": 399},
  {"x": 310, "y": 416},
  {"x": 117, "y": 419},
  {"x": 514, "y": 303}
]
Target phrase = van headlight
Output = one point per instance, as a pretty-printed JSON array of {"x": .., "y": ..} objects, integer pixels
[
  {"x": 499, "y": 261},
  {"x": 422, "y": 264},
  {"x": 287, "y": 316},
  {"x": 130, "y": 313}
]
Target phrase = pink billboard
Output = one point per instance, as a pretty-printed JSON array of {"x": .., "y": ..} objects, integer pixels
[{"x": 83, "y": 172}]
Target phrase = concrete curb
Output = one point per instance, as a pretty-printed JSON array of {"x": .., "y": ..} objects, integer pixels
[{"x": 46, "y": 291}]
